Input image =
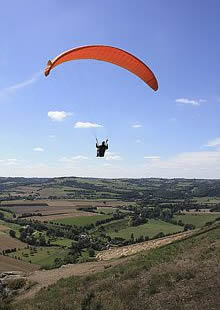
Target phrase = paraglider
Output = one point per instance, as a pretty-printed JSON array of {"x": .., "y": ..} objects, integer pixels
[
  {"x": 112, "y": 55},
  {"x": 101, "y": 148}
]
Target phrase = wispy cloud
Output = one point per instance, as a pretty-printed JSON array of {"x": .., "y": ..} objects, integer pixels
[
  {"x": 190, "y": 101},
  {"x": 138, "y": 141},
  {"x": 58, "y": 116},
  {"x": 112, "y": 156},
  {"x": 189, "y": 160},
  {"x": 87, "y": 125},
  {"x": 52, "y": 136},
  {"x": 9, "y": 161},
  {"x": 213, "y": 143},
  {"x": 23, "y": 84},
  {"x": 73, "y": 159},
  {"x": 151, "y": 157},
  {"x": 38, "y": 149},
  {"x": 136, "y": 126}
]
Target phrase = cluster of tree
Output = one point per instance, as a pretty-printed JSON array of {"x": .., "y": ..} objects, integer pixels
[
  {"x": 27, "y": 236},
  {"x": 7, "y": 251},
  {"x": 136, "y": 220},
  {"x": 88, "y": 209},
  {"x": 37, "y": 204}
]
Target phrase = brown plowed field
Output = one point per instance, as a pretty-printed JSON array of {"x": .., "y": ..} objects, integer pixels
[
  {"x": 4, "y": 228},
  {"x": 11, "y": 264},
  {"x": 58, "y": 209},
  {"x": 7, "y": 242}
]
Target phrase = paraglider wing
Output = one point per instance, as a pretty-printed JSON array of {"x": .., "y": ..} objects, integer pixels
[{"x": 110, "y": 54}]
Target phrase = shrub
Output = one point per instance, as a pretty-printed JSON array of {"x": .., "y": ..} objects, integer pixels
[{"x": 16, "y": 284}]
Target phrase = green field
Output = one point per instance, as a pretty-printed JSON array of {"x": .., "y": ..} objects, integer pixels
[
  {"x": 41, "y": 255},
  {"x": 62, "y": 241},
  {"x": 198, "y": 220},
  {"x": 207, "y": 199},
  {"x": 7, "y": 215},
  {"x": 116, "y": 225},
  {"x": 150, "y": 229},
  {"x": 82, "y": 220},
  {"x": 106, "y": 210},
  {"x": 12, "y": 226}
]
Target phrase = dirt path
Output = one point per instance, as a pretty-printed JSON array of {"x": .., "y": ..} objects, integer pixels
[
  {"x": 133, "y": 249},
  {"x": 44, "y": 278}
]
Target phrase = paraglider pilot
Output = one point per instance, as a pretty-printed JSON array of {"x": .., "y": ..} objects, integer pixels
[{"x": 101, "y": 148}]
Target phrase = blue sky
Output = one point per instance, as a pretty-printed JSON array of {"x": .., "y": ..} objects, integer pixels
[{"x": 178, "y": 132}]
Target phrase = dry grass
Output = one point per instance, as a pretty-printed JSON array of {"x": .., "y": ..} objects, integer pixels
[{"x": 4, "y": 228}]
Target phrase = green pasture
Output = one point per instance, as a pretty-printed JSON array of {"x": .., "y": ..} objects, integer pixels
[
  {"x": 207, "y": 199},
  {"x": 40, "y": 255},
  {"x": 198, "y": 220},
  {"x": 150, "y": 229}
]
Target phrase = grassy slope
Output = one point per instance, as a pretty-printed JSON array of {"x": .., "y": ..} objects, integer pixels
[
  {"x": 182, "y": 275},
  {"x": 42, "y": 256},
  {"x": 150, "y": 229},
  {"x": 198, "y": 220}
]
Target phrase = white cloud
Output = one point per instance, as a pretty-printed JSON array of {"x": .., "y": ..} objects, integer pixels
[
  {"x": 58, "y": 115},
  {"x": 72, "y": 159},
  {"x": 138, "y": 141},
  {"x": 8, "y": 162},
  {"x": 52, "y": 136},
  {"x": 23, "y": 84},
  {"x": 86, "y": 125},
  {"x": 38, "y": 149},
  {"x": 151, "y": 157},
  {"x": 213, "y": 143},
  {"x": 136, "y": 126},
  {"x": 190, "y": 101},
  {"x": 112, "y": 156},
  {"x": 185, "y": 165}
]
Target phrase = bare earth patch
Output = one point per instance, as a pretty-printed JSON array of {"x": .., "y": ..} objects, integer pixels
[
  {"x": 4, "y": 228},
  {"x": 8, "y": 264},
  {"x": 133, "y": 249},
  {"x": 7, "y": 242}
]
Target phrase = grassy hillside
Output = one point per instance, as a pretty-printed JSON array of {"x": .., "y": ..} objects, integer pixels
[
  {"x": 150, "y": 229},
  {"x": 182, "y": 275},
  {"x": 203, "y": 191},
  {"x": 198, "y": 220}
]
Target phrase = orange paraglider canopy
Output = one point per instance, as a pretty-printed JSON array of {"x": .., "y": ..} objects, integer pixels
[{"x": 110, "y": 54}]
